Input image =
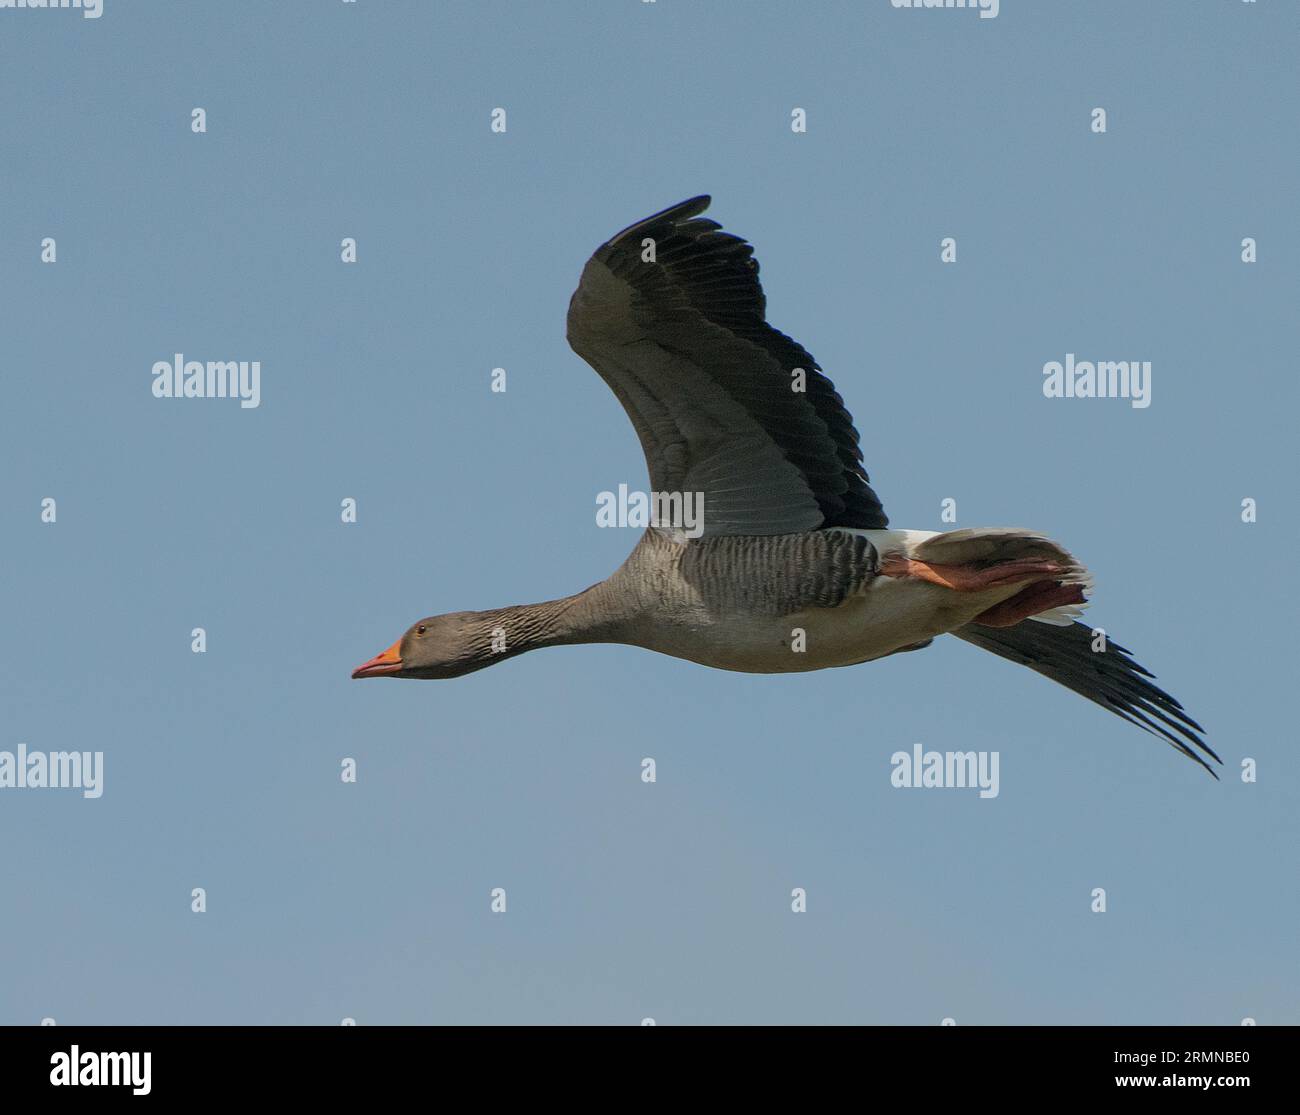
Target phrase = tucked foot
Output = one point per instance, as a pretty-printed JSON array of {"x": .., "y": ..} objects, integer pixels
[
  {"x": 972, "y": 576},
  {"x": 1006, "y": 574}
]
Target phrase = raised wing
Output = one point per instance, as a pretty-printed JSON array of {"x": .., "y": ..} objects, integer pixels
[{"x": 670, "y": 313}]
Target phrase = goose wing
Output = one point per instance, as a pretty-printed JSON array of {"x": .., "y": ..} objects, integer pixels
[{"x": 670, "y": 313}]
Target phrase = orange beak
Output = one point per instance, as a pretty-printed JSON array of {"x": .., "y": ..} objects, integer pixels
[{"x": 390, "y": 662}]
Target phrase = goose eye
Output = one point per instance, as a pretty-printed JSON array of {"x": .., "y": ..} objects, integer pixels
[{"x": 420, "y": 630}]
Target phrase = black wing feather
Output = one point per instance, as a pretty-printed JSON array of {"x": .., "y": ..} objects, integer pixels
[{"x": 1110, "y": 678}]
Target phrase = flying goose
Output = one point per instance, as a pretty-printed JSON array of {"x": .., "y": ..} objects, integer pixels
[{"x": 792, "y": 565}]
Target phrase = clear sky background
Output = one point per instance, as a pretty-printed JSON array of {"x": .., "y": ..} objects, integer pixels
[{"x": 626, "y": 900}]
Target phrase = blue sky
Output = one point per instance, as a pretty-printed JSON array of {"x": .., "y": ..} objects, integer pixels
[{"x": 625, "y": 900}]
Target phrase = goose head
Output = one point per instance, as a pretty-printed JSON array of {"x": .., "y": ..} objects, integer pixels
[{"x": 446, "y": 646}]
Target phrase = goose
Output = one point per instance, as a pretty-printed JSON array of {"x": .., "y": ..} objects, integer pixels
[{"x": 792, "y": 564}]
